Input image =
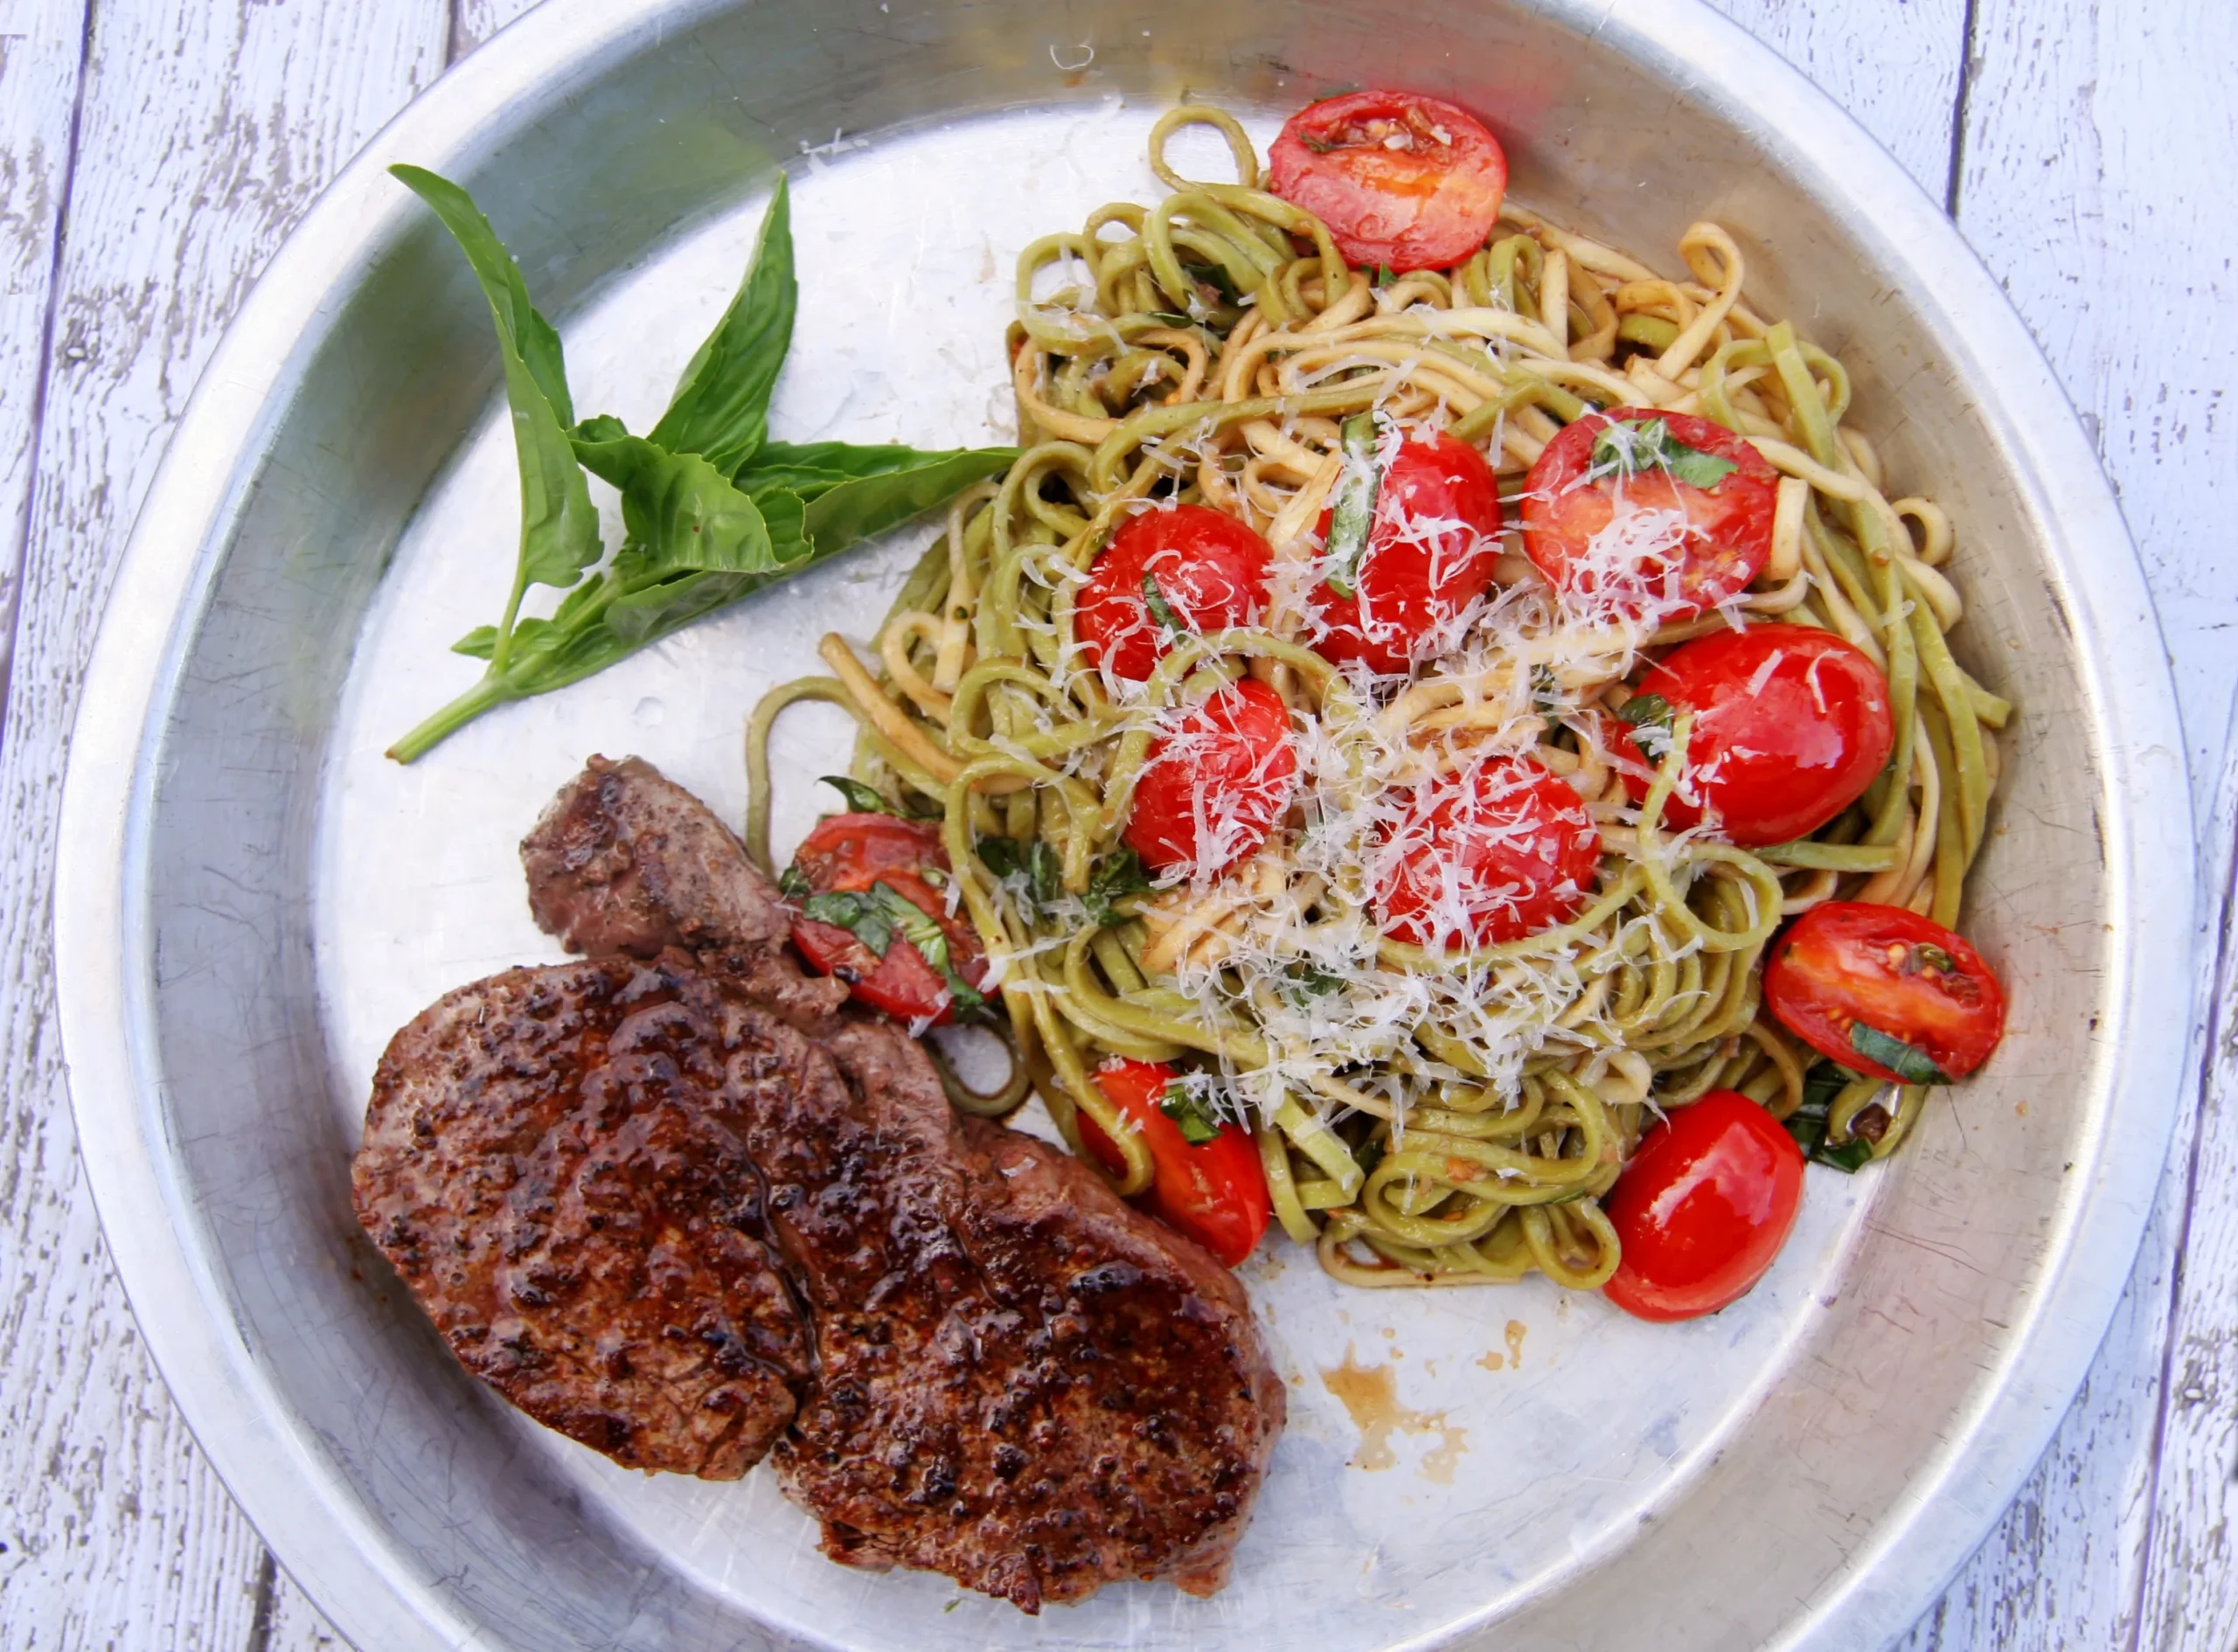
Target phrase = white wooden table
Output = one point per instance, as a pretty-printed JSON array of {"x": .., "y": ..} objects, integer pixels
[{"x": 153, "y": 153}]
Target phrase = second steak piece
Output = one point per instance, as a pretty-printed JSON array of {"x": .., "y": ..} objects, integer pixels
[{"x": 1021, "y": 1381}]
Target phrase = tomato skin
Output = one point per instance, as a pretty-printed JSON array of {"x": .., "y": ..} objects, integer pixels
[
  {"x": 1729, "y": 536},
  {"x": 1233, "y": 759},
  {"x": 1215, "y": 1192},
  {"x": 854, "y": 851},
  {"x": 1427, "y": 205},
  {"x": 1210, "y": 569},
  {"x": 1412, "y": 584},
  {"x": 1852, "y": 961},
  {"x": 1703, "y": 1208},
  {"x": 1791, "y": 724},
  {"x": 1465, "y": 825}
]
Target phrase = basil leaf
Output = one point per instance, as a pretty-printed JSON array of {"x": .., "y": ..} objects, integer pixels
[
  {"x": 1630, "y": 445},
  {"x": 721, "y": 407},
  {"x": 1908, "y": 1061},
  {"x": 921, "y": 930},
  {"x": 1161, "y": 610},
  {"x": 793, "y": 884},
  {"x": 558, "y": 528},
  {"x": 860, "y": 915},
  {"x": 1648, "y": 711},
  {"x": 852, "y": 493},
  {"x": 1384, "y": 276},
  {"x": 1198, "y": 1127},
  {"x": 1301, "y": 981},
  {"x": 863, "y": 800},
  {"x": 1354, "y": 512},
  {"x": 1849, "y": 1157},
  {"x": 1368, "y": 1155},
  {"x": 1117, "y": 876}
]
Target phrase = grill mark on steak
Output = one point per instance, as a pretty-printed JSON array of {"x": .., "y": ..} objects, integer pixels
[{"x": 973, "y": 1357}]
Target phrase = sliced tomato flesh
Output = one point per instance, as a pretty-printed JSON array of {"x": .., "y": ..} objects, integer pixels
[
  {"x": 1214, "y": 1192},
  {"x": 1403, "y": 181}
]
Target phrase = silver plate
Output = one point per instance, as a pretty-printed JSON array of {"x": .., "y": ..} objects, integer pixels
[{"x": 251, "y": 898}]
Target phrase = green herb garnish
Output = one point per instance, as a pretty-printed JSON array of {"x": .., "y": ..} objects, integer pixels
[
  {"x": 1198, "y": 1126},
  {"x": 1908, "y": 1061},
  {"x": 1630, "y": 445},
  {"x": 861, "y": 799},
  {"x": 1117, "y": 875},
  {"x": 793, "y": 884},
  {"x": 875, "y": 916},
  {"x": 1161, "y": 610},
  {"x": 1354, "y": 512},
  {"x": 712, "y": 509},
  {"x": 1006, "y": 857}
]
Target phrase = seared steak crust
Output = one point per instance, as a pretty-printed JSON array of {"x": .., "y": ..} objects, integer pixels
[
  {"x": 625, "y": 860},
  {"x": 1024, "y": 1382},
  {"x": 554, "y": 1160}
]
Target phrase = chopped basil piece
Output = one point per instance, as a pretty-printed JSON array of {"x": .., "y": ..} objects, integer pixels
[
  {"x": 1651, "y": 716},
  {"x": 1630, "y": 445},
  {"x": 1808, "y": 1123},
  {"x": 1301, "y": 980},
  {"x": 1908, "y": 1061},
  {"x": 1384, "y": 277},
  {"x": 854, "y": 911},
  {"x": 863, "y": 800},
  {"x": 793, "y": 884},
  {"x": 1115, "y": 876},
  {"x": 875, "y": 916},
  {"x": 1367, "y": 1156},
  {"x": 1927, "y": 954},
  {"x": 1006, "y": 857},
  {"x": 1849, "y": 1157},
  {"x": 1198, "y": 1126},
  {"x": 1353, "y": 514},
  {"x": 1161, "y": 610}
]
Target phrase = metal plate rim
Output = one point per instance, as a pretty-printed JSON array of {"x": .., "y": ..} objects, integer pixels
[{"x": 102, "y": 942}]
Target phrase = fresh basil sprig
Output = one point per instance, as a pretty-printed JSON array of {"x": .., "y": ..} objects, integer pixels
[
  {"x": 1626, "y": 447},
  {"x": 712, "y": 509}
]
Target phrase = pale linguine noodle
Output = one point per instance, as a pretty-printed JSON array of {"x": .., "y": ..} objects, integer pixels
[{"x": 1424, "y": 1115}]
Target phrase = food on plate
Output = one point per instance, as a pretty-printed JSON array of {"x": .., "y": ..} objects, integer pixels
[
  {"x": 1702, "y": 1208},
  {"x": 678, "y": 1201},
  {"x": 1419, "y": 659}
]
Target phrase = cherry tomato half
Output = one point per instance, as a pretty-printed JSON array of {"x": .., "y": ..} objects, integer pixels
[
  {"x": 1213, "y": 1191},
  {"x": 1405, "y": 182},
  {"x": 1905, "y": 979},
  {"x": 1703, "y": 1208},
  {"x": 1215, "y": 782},
  {"x": 851, "y": 852},
  {"x": 1790, "y": 725},
  {"x": 1496, "y": 852},
  {"x": 1616, "y": 536},
  {"x": 1431, "y": 550},
  {"x": 1208, "y": 569}
]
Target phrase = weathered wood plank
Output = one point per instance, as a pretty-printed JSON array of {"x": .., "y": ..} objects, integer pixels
[
  {"x": 1894, "y": 65},
  {"x": 206, "y": 129},
  {"x": 474, "y": 21},
  {"x": 2075, "y": 183},
  {"x": 41, "y": 49}
]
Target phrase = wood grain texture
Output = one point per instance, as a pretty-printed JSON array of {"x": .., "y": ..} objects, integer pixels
[
  {"x": 1894, "y": 65},
  {"x": 41, "y": 49},
  {"x": 474, "y": 21},
  {"x": 2077, "y": 181},
  {"x": 206, "y": 129}
]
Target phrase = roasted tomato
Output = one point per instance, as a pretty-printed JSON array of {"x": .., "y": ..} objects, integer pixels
[
  {"x": 1207, "y": 571},
  {"x": 1703, "y": 1208},
  {"x": 1404, "y": 182},
  {"x": 852, "y": 854},
  {"x": 1212, "y": 1190},
  {"x": 1668, "y": 516},
  {"x": 1498, "y": 851},
  {"x": 1215, "y": 783},
  {"x": 1432, "y": 545},
  {"x": 1885, "y": 992},
  {"x": 1790, "y": 725}
]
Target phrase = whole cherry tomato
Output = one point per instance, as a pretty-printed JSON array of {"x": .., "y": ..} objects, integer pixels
[
  {"x": 1213, "y": 1191},
  {"x": 1885, "y": 992},
  {"x": 1432, "y": 545},
  {"x": 1634, "y": 529},
  {"x": 1703, "y": 1208},
  {"x": 1496, "y": 852},
  {"x": 1405, "y": 182},
  {"x": 1791, "y": 724},
  {"x": 1215, "y": 782},
  {"x": 852, "y": 854},
  {"x": 1208, "y": 570}
]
